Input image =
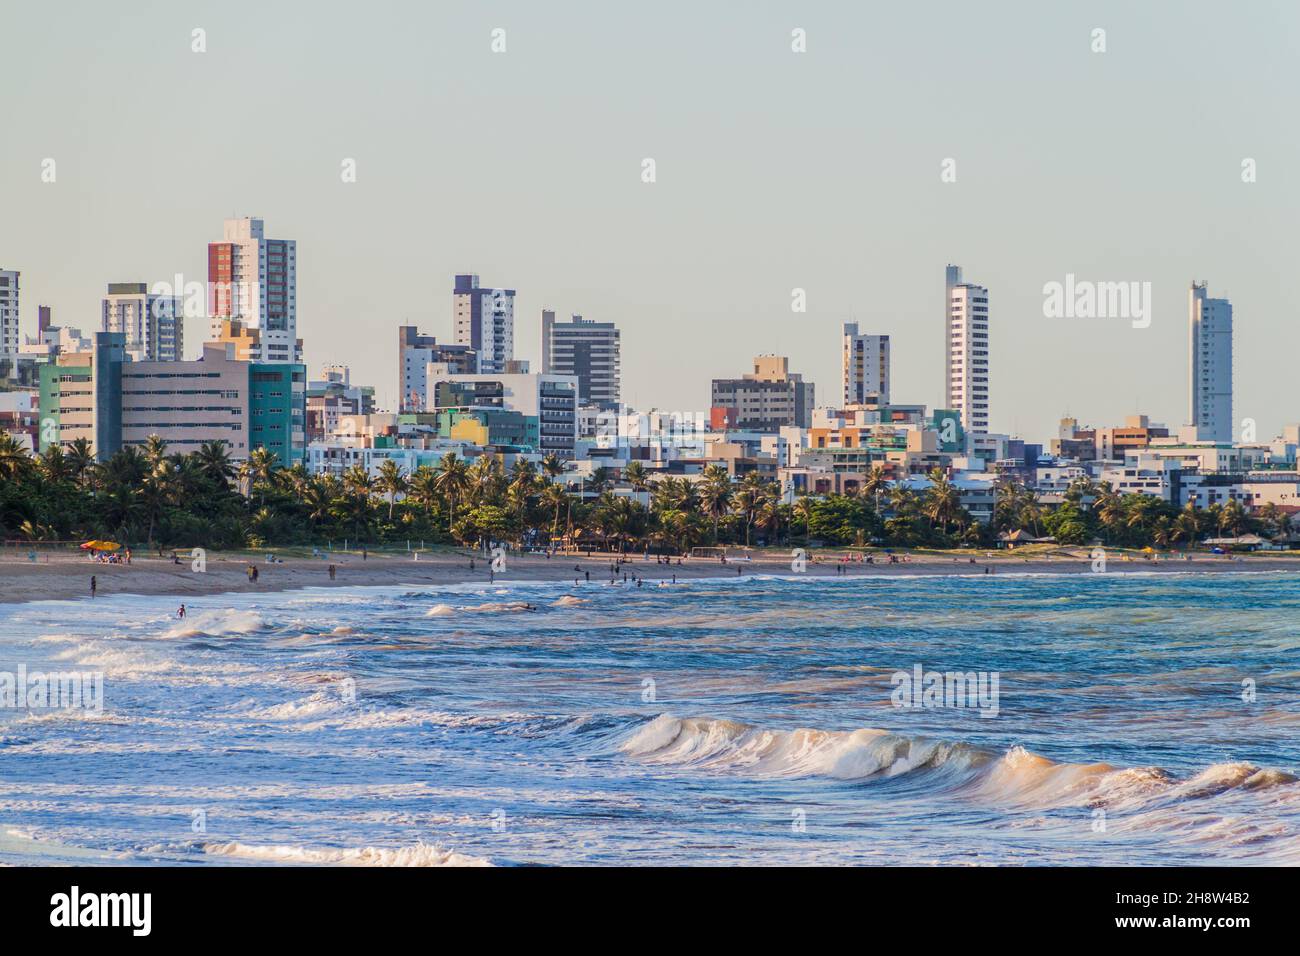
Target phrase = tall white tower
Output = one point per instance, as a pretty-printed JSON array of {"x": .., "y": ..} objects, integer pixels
[
  {"x": 866, "y": 366},
  {"x": 254, "y": 280},
  {"x": 966, "y": 350},
  {"x": 1210, "y": 370},
  {"x": 484, "y": 320},
  {"x": 9, "y": 316},
  {"x": 153, "y": 324}
]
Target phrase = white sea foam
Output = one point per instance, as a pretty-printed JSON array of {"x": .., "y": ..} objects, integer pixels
[
  {"x": 218, "y": 623},
  {"x": 1014, "y": 779},
  {"x": 420, "y": 854}
]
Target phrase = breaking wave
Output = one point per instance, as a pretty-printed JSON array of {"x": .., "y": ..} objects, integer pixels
[
  {"x": 1014, "y": 779},
  {"x": 420, "y": 854}
]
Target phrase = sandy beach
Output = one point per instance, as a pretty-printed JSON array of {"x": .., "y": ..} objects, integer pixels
[{"x": 66, "y": 576}]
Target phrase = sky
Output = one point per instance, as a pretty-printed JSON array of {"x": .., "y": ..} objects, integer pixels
[{"x": 775, "y": 170}]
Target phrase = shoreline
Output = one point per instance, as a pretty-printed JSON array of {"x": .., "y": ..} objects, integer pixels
[{"x": 58, "y": 577}]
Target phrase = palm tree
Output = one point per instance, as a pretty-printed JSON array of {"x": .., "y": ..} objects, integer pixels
[
  {"x": 14, "y": 459},
  {"x": 261, "y": 470},
  {"x": 1109, "y": 509},
  {"x": 391, "y": 481},
  {"x": 747, "y": 502},
  {"x": 714, "y": 490},
  {"x": 1232, "y": 519},
  {"x": 156, "y": 491},
  {"x": 125, "y": 467},
  {"x": 902, "y": 500},
  {"x": 423, "y": 488},
  {"x": 634, "y": 474},
  {"x": 353, "y": 512},
  {"x": 318, "y": 498},
  {"x": 802, "y": 509},
  {"x": 523, "y": 478},
  {"x": 53, "y": 464},
  {"x": 1030, "y": 515},
  {"x": 452, "y": 482},
  {"x": 552, "y": 466},
  {"x": 155, "y": 450},
  {"x": 215, "y": 462},
  {"x": 768, "y": 517},
  {"x": 942, "y": 501},
  {"x": 295, "y": 478},
  {"x": 1008, "y": 494},
  {"x": 486, "y": 479},
  {"x": 1080, "y": 488},
  {"x": 189, "y": 476},
  {"x": 80, "y": 460},
  {"x": 554, "y": 497},
  {"x": 619, "y": 518},
  {"x": 357, "y": 481},
  {"x": 1187, "y": 526},
  {"x": 875, "y": 484},
  {"x": 1277, "y": 521},
  {"x": 600, "y": 479}
]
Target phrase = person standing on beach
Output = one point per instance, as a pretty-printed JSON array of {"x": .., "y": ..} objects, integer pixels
[
  {"x": 332, "y": 572},
  {"x": 93, "y": 585}
]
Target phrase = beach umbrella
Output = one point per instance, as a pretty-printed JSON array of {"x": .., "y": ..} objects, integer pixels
[{"x": 101, "y": 546}]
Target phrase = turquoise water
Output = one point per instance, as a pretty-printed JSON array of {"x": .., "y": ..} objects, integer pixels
[{"x": 732, "y": 721}]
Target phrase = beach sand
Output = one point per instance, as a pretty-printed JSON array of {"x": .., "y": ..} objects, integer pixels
[{"x": 66, "y": 576}]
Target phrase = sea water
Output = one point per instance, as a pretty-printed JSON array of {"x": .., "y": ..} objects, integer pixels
[{"x": 1140, "y": 719}]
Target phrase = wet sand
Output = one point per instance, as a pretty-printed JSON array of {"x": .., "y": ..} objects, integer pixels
[{"x": 66, "y": 576}]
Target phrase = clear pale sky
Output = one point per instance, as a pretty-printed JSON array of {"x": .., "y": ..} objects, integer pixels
[{"x": 775, "y": 170}]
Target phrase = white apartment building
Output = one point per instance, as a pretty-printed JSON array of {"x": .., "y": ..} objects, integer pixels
[
  {"x": 966, "y": 351},
  {"x": 153, "y": 324},
  {"x": 9, "y": 317},
  {"x": 484, "y": 320},
  {"x": 1210, "y": 365},
  {"x": 865, "y": 367},
  {"x": 254, "y": 280}
]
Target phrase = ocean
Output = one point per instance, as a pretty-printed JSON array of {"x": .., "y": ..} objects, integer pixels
[{"x": 1108, "y": 720}]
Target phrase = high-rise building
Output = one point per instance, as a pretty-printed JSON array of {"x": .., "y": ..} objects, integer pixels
[
  {"x": 153, "y": 324},
  {"x": 8, "y": 321},
  {"x": 1210, "y": 371},
  {"x": 765, "y": 400},
  {"x": 866, "y": 367},
  {"x": 253, "y": 280},
  {"x": 415, "y": 354},
  {"x": 484, "y": 320},
  {"x": 966, "y": 351},
  {"x": 586, "y": 349}
]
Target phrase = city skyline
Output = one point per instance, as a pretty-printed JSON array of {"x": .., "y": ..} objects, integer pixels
[{"x": 691, "y": 308}]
